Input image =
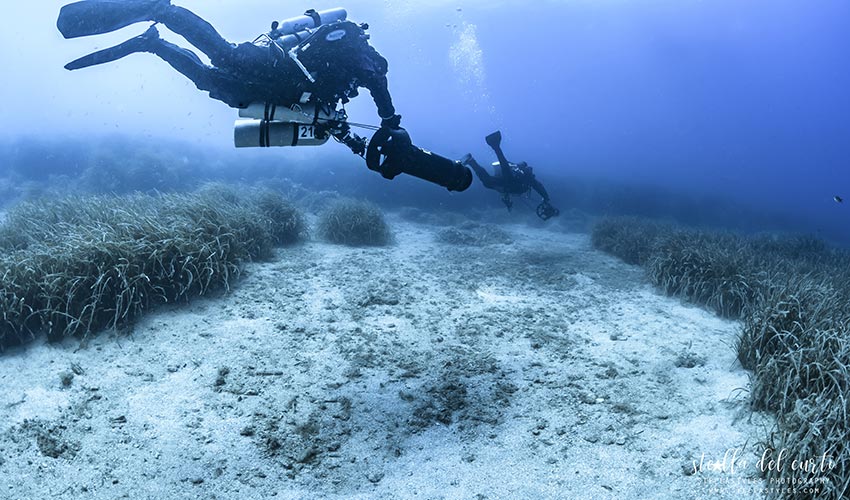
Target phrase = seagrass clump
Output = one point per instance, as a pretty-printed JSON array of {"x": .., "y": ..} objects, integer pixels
[
  {"x": 286, "y": 223},
  {"x": 795, "y": 340},
  {"x": 629, "y": 238},
  {"x": 711, "y": 270},
  {"x": 791, "y": 246},
  {"x": 793, "y": 297},
  {"x": 73, "y": 266},
  {"x": 355, "y": 223}
]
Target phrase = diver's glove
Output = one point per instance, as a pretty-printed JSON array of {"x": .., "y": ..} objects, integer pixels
[
  {"x": 393, "y": 122},
  {"x": 546, "y": 211}
]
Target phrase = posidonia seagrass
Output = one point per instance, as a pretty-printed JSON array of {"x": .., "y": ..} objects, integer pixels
[
  {"x": 76, "y": 265},
  {"x": 792, "y": 295}
]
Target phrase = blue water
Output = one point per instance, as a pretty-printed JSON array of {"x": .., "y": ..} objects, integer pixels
[{"x": 712, "y": 101}]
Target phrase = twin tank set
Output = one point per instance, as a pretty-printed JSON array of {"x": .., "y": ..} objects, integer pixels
[{"x": 267, "y": 124}]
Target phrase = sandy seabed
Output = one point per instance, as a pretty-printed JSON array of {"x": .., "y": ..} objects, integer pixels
[{"x": 529, "y": 370}]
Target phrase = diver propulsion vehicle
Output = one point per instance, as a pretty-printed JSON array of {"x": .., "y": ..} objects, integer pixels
[{"x": 391, "y": 152}]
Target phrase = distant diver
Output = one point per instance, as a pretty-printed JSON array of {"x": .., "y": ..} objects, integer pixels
[
  {"x": 511, "y": 178},
  {"x": 838, "y": 199},
  {"x": 288, "y": 84}
]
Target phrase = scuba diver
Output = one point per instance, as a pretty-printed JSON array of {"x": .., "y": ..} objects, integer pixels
[
  {"x": 287, "y": 84},
  {"x": 511, "y": 178}
]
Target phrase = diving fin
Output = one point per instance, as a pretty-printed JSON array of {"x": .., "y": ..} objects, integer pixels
[
  {"x": 93, "y": 17},
  {"x": 494, "y": 140},
  {"x": 141, "y": 43}
]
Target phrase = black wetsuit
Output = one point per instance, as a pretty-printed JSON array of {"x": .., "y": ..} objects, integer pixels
[
  {"x": 510, "y": 179},
  {"x": 320, "y": 67},
  {"x": 246, "y": 73}
]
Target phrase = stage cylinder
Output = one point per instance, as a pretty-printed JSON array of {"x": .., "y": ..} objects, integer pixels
[{"x": 264, "y": 134}]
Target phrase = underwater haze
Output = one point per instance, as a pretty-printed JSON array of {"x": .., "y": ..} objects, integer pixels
[
  {"x": 181, "y": 318},
  {"x": 719, "y": 100}
]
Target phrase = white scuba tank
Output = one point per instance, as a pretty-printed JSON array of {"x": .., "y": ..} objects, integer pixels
[
  {"x": 307, "y": 22},
  {"x": 266, "y": 125},
  {"x": 252, "y": 133},
  {"x": 286, "y": 38}
]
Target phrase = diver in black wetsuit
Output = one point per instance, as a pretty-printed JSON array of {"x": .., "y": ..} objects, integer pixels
[
  {"x": 240, "y": 74},
  {"x": 511, "y": 178},
  {"x": 316, "y": 61}
]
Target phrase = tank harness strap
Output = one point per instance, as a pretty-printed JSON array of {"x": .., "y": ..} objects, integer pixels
[
  {"x": 265, "y": 124},
  {"x": 265, "y": 132},
  {"x": 269, "y": 112},
  {"x": 295, "y": 130},
  {"x": 317, "y": 19}
]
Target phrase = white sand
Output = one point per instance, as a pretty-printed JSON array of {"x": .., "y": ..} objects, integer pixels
[{"x": 538, "y": 369}]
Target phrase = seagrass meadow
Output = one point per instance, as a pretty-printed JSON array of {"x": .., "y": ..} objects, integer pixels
[
  {"x": 792, "y": 297},
  {"x": 76, "y": 265},
  {"x": 187, "y": 314},
  {"x": 354, "y": 222}
]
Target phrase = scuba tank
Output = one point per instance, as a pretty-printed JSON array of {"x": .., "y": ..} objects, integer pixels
[
  {"x": 290, "y": 32},
  {"x": 265, "y": 134},
  {"x": 310, "y": 20},
  {"x": 266, "y": 125}
]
